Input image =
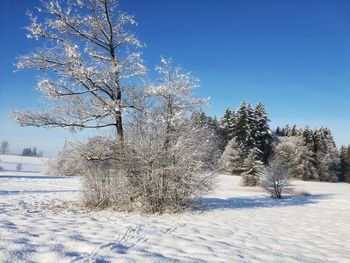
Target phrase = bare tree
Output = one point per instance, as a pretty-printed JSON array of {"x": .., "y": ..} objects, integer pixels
[
  {"x": 276, "y": 178},
  {"x": 19, "y": 167},
  {"x": 88, "y": 58},
  {"x": 4, "y": 147},
  {"x": 173, "y": 94}
]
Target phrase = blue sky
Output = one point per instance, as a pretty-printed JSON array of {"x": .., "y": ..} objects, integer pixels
[{"x": 293, "y": 55}]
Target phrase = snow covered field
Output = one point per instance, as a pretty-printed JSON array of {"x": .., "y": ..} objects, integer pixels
[
  {"x": 40, "y": 222},
  {"x": 29, "y": 164}
]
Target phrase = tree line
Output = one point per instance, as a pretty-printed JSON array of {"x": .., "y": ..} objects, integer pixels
[
  {"x": 309, "y": 154},
  {"x": 32, "y": 152},
  {"x": 5, "y": 149}
]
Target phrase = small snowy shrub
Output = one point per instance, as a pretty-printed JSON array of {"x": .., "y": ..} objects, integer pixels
[
  {"x": 276, "y": 179},
  {"x": 169, "y": 179},
  {"x": 146, "y": 177}
]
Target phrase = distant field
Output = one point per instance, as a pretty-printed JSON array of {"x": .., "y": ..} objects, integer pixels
[{"x": 29, "y": 164}]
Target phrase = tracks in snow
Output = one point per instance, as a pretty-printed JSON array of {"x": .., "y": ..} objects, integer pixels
[{"x": 133, "y": 237}]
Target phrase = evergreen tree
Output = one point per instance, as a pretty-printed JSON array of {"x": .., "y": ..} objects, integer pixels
[
  {"x": 253, "y": 167},
  {"x": 227, "y": 124},
  {"x": 263, "y": 135},
  {"x": 294, "y": 131},
  {"x": 345, "y": 164},
  {"x": 27, "y": 152},
  {"x": 232, "y": 160},
  {"x": 249, "y": 128},
  {"x": 278, "y": 131},
  {"x": 327, "y": 155},
  {"x": 34, "y": 153},
  {"x": 286, "y": 130},
  {"x": 244, "y": 127}
]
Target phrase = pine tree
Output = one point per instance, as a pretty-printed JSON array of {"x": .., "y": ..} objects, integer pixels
[
  {"x": 27, "y": 152},
  {"x": 244, "y": 128},
  {"x": 286, "y": 130},
  {"x": 345, "y": 164},
  {"x": 232, "y": 160},
  {"x": 227, "y": 123},
  {"x": 278, "y": 131},
  {"x": 254, "y": 168},
  {"x": 263, "y": 134},
  {"x": 294, "y": 131},
  {"x": 250, "y": 130},
  {"x": 327, "y": 155},
  {"x": 34, "y": 153}
]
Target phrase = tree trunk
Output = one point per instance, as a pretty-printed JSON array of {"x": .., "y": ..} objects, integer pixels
[{"x": 119, "y": 131}]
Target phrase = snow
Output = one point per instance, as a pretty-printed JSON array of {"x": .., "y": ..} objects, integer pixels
[
  {"x": 41, "y": 221},
  {"x": 29, "y": 164}
]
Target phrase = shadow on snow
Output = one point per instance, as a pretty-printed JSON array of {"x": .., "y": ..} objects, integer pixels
[{"x": 260, "y": 202}]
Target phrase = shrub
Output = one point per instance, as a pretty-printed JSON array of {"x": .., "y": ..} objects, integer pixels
[
  {"x": 276, "y": 179},
  {"x": 67, "y": 163},
  {"x": 145, "y": 176}
]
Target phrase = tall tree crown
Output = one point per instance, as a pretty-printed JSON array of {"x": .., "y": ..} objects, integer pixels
[{"x": 87, "y": 59}]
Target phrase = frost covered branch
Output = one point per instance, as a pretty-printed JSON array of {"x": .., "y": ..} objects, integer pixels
[{"x": 87, "y": 59}]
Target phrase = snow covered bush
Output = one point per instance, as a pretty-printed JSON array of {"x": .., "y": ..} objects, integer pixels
[
  {"x": 67, "y": 163},
  {"x": 170, "y": 179},
  {"x": 172, "y": 160},
  {"x": 146, "y": 177},
  {"x": 276, "y": 178},
  {"x": 105, "y": 181}
]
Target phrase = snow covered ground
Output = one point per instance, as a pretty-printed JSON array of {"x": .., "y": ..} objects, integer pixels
[
  {"x": 29, "y": 164},
  {"x": 40, "y": 222}
]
